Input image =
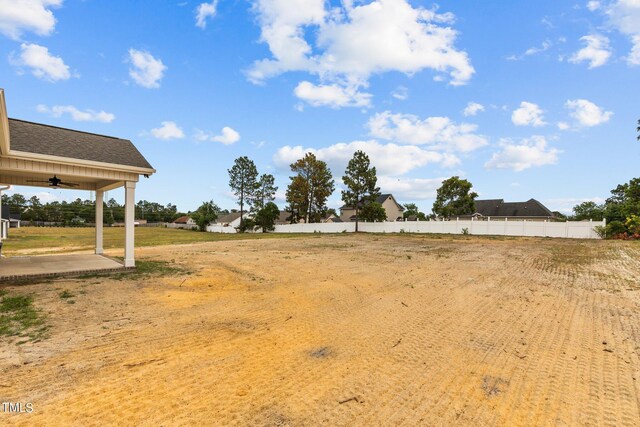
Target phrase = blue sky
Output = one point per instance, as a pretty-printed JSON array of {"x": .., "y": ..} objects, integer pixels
[{"x": 524, "y": 99}]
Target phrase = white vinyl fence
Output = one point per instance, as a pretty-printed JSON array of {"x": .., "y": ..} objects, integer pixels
[
  {"x": 569, "y": 229},
  {"x": 221, "y": 229}
]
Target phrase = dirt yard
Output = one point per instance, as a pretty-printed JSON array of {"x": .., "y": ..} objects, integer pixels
[{"x": 341, "y": 330}]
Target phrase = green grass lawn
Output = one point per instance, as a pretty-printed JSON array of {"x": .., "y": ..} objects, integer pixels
[{"x": 48, "y": 240}]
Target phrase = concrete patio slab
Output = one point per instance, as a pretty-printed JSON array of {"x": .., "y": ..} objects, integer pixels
[{"x": 24, "y": 268}]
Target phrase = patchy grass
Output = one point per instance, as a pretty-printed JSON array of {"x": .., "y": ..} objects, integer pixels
[
  {"x": 144, "y": 268},
  {"x": 51, "y": 240},
  {"x": 66, "y": 294},
  {"x": 18, "y": 318}
]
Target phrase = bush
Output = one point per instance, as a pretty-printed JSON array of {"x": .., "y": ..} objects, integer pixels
[
  {"x": 601, "y": 231},
  {"x": 633, "y": 224},
  {"x": 615, "y": 229},
  {"x": 465, "y": 231}
]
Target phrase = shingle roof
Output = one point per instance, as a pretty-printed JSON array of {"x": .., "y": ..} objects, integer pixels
[
  {"x": 54, "y": 141},
  {"x": 381, "y": 199},
  {"x": 284, "y": 217},
  {"x": 498, "y": 207},
  {"x": 228, "y": 218},
  {"x": 181, "y": 220}
]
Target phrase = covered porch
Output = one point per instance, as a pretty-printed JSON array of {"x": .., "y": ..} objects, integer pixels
[{"x": 38, "y": 155}]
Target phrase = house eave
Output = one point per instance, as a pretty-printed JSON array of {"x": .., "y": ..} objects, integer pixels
[{"x": 23, "y": 155}]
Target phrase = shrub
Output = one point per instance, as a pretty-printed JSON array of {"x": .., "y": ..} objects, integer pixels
[
  {"x": 601, "y": 231},
  {"x": 615, "y": 228},
  {"x": 633, "y": 224},
  {"x": 465, "y": 231}
]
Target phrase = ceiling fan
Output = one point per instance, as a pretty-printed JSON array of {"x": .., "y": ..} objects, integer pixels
[{"x": 56, "y": 182}]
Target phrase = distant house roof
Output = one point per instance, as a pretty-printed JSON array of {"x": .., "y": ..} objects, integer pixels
[
  {"x": 380, "y": 199},
  {"x": 284, "y": 217},
  {"x": 60, "y": 142},
  {"x": 228, "y": 218},
  {"x": 182, "y": 220},
  {"x": 500, "y": 208}
]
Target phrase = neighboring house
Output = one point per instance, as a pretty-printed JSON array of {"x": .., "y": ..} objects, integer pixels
[
  {"x": 331, "y": 219},
  {"x": 284, "y": 218},
  {"x": 531, "y": 210},
  {"x": 391, "y": 206},
  {"x": 229, "y": 220},
  {"x": 185, "y": 222}
]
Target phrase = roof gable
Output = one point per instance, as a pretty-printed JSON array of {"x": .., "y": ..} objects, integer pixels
[{"x": 228, "y": 218}]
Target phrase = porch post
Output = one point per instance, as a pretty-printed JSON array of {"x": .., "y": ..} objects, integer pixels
[
  {"x": 99, "y": 222},
  {"x": 129, "y": 218}
]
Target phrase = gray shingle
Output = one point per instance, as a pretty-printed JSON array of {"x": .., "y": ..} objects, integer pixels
[
  {"x": 498, "y": 207},
  {"x": 54, "y": 141}
]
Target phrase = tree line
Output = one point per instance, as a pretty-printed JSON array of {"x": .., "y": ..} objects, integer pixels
[
  {"x": 81, "y": 211},
  {"x": 310, "y": 186},
  {"x": 621, "y": 210}
]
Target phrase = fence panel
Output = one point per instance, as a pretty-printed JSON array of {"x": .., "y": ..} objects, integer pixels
[{"x": 574, "y": 230}]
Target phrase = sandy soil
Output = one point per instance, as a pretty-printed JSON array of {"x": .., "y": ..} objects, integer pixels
[{"x": 343, "y": 330}]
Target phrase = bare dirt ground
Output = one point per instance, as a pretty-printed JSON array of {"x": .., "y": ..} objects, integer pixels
[{"x": 342, "y": 330}]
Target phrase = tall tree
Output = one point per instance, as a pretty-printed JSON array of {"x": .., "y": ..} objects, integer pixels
[
  {"x": 243, "y": 181},
  {"x": 588, "y": 210},
  {"x": 454, "y": 197},
  {"x": 265, "y": 192},
  {"x": 295, "y": 196},
  {"x": 314, "y": 184},
  {"x": 266, "y": 217},
  {"x": 373, "y": 212},
  {"x": 360, "y": 179},
  {"x": 205, "y": 214},
  {"x": 411, "y": 209}
]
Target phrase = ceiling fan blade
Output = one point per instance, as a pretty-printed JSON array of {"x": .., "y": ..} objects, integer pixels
[
  {"x": 33, "y": 180},
  {"x": 68, "y": 184}
]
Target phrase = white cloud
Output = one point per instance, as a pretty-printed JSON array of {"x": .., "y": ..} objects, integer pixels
[
  {"x": 333, "y": 95},
  {"x": 147, "y": 71},
  {"x": 76, "y": 115},
  {"x": 593, "y": 5},
  {"x": 354, "y": 41},
  {"x": 401, "y": 93},
  {"x": 586, "y": 113},
  {"x": 528, "y": 114},
  {"x": 18, "y": 16},
  {"x": 624, "y": 15},
  {"x": 546, "y": 45},
  {"x": 472, "y": 109},
  {"x": 410, "y": 189},
  {"x": 204, "y": 11},
  {"x": 531, "y": 152},
  {"x": 168, "y": 130},
  {"x": 43, "y": 65},
  {"x": 563, "y": 126},
  {"x": 228, "y": 136},
  {"x": 389, "y": 159},
  {"x": 596, "y": 52},
  {"x": 440, "y": 133}
]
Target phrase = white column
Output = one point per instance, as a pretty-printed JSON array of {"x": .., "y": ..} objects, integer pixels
[
  {"x": 99, "y": 222},
  {"x": 129, "y": 227}
]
